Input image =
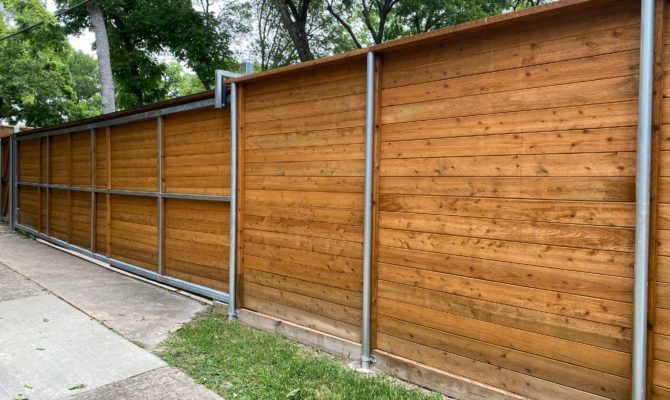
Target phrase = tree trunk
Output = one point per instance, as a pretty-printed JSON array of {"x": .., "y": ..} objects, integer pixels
[
  {"x": 104, "y": 61},
  {"x": 296, "y": 29}
]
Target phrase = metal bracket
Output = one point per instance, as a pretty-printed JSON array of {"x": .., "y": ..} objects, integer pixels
[
  {"x": 221, "y": 88},
  {"x": 371, "y": 359}
]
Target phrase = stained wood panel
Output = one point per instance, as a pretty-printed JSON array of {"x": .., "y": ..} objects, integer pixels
[
  {"x": 43, "y": 210},
  {"x": 29, "y": 160},
  {"x": 197, "y": 242},
  {"x": 134, "y": 156},
  {"x": 80, "y": 158},
  {"x": 197, "y": 152},
  {"x": 43, "y": 154},
  {"x": 101, "y": 157},
  {"x": 59, "y": 164},
  {"x": 134, "y": 230},
  {"x": 58, "y": 218},
  {"x": 28, "y": 207},
  {"x": 101, "y": 227},
  {"x": 506, "y": 206},
  {"x": 303, "y": 196},
  {"x": 80, "y": 219}
]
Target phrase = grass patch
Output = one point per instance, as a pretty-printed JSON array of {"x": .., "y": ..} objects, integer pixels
[{"x": 242, "y": 363}]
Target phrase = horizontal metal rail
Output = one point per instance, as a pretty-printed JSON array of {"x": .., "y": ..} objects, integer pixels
[
  {"x": 205, "y": 197},
  {"x": 183, "y": 196},
  {"x": 178, "y": 283},
  {"x": 122, "y": 120}
]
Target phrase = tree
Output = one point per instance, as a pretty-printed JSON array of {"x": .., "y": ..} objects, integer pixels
[
  {"x": 420, "y": 16},
  {"x": 272, "y": 46},
  {"x": 86, "y": 85},
  {"x": 521, "y": 4},
  {"x": 36, "y": 86},
  {"x": 385, "y": 20},
  {"x": 294, "y": 19},
  {"x": 104, "y": 62},
  {"x": 374, "y": 15},
  {"x": 141, "y": 30},
  {"x": 180, "y": 83}
]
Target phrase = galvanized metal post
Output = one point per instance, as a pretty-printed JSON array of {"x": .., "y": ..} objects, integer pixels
[
  {"x": 366, "y": 358},
  {"x": 93, "y": 214},
  {"x": 1, "y": 187},
  {"x": 161, "y": 201},
  {"x": 643, "y": 196},
  {"x": 10, "y": 185},
  {"x": 13, "y": 178},
  {"x": 48, "y": 205},
  {"x": 246, "y": 67},
  {"x": 232, "y": 262}
]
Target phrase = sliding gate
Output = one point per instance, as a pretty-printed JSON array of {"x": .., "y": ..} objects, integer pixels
[{"x": 147, "y": 192}]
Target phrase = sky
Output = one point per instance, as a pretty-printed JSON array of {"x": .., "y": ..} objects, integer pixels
[{"x": 83, "y": 42}]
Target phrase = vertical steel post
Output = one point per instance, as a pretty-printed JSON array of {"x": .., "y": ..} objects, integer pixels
[
  {"x": 232, "y": 266},
  {"x": 10, "y": 186},
  {"x": 366, "y": 359},
  {"x": 14, "y": 178},
  {"x": 93, "y": 215},
  {"x": 642, "y": 203},
  {"x": 2, "y": 161},
  {"x": 246, "y": 67},
  {"x": 48, "y": 205},
  {"x": 161, "y": 201}
]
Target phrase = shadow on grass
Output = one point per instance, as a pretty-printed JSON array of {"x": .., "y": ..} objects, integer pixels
[{"x": 242, "y": 363}]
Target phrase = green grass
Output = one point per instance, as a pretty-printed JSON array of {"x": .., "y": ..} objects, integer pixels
[{"x": 242, "y": 363}]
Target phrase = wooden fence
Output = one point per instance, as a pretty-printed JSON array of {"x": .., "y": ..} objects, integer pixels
[
  {"x": 120, "y": 176},
  {"x": 503, "y": 200}
]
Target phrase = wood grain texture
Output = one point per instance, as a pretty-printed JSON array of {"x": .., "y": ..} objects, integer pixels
[
  {"x": 504, "y": 199},
  {"x": 507, "y": 205},
  {"x": 302, "y": 195},
  {"x": 197, "y": 242},
  {"x": 134, "y": 156},
  {"x": 196, "y": 152},
  {"x": 80, "y": 159},
  {"x": 133, "y": 238},
  {"x": 29, "y": 160},
  {"x": 80, "y": 219},
  {"x": 28, "y": 206},
  {"x": 58, "y": 220}
]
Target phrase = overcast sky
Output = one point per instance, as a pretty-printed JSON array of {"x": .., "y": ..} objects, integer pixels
[{"x": 83, "y": 42}]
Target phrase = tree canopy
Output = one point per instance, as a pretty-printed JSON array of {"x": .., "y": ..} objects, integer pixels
[
  {"x": 142, "y": 30},
  {"x": 43, "y": 81},
  {"x": 160, "y": 49}
]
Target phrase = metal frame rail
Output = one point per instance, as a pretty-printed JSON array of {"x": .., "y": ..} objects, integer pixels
[{"x": 159, "y": 194}]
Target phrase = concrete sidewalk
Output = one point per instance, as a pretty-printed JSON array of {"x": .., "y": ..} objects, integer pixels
[{"x": 69, "y": 327}]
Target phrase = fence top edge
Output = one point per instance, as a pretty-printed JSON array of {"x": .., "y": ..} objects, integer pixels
[
  {"x": 438, "y": 35},
  {"x": 180, "y": 104}
]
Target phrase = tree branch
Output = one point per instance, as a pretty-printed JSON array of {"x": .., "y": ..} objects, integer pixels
[
  {"x": 342, "y": 22},
  {"x": 368, "y": 22}
]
